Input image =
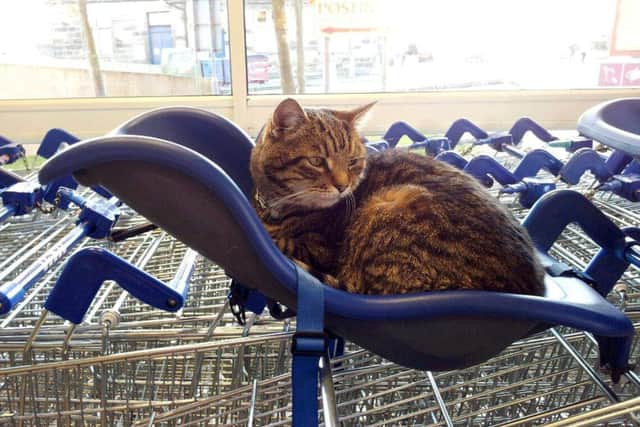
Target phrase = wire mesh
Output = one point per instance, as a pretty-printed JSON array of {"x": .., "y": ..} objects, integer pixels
[
  {"x": 199, "y": 367},
  {"x": 121, "y": 388}
]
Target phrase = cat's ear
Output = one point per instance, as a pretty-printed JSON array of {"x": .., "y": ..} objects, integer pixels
[
  {"x": 357, "y": 116},
  {"x": 288, "y": 115}
]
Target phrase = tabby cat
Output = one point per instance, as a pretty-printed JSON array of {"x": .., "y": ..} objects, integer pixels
[{"x": 385, "y": 223}]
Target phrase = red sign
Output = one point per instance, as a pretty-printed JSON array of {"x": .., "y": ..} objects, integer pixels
[
  {"x": 619, "y": 74},
  {"x": 631, "y": 75},
  {"x": 348, "y": 15},
  {"x": 610, "y": 75}
]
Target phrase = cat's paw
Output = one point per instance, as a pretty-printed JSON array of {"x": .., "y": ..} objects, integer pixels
[
  {"x": 326, "y": 278},
  {"x": 286, "y": 245},
  {"x": 303, "y": 265},
  {"x": 330, "y": 280}
]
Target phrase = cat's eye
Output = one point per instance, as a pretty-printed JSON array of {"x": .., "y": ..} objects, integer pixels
[
  {"x": 354, "y": 162},
  {"x": 315, "y": 161}
]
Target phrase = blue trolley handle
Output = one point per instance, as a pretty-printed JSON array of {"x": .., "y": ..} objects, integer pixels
[
  {"x": 399, "y": 129},
  {"x": 85, "y": 272},
  {"x": 524, "y": 125},
  {"x": 52, "y": 141},
  {"x": 581, "y": 161},
  {"x": 483, "y": 167},
  {"x": 460, "y": 127}
]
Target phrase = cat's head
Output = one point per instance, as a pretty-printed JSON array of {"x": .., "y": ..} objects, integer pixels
[{"x": 308, "y": 158}]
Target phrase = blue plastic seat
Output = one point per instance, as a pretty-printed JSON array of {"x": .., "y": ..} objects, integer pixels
[
  {"x": 211, "y": 135},
  {"x": 177, "y": 186},
  {"x": 615, "y": 124}
]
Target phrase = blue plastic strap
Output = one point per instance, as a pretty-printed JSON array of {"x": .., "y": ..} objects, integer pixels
[{"x": 307, "y": 348}]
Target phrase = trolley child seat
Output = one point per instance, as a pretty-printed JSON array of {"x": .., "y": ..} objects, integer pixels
[{"x": 187, "y": 170}]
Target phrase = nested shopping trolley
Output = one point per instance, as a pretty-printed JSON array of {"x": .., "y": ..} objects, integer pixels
[{"x": 450, "y": 358}]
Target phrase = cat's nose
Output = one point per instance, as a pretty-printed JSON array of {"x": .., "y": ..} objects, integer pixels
[
  {"x": 340, "y": 179},
  {"x": 342, "y": 187}
]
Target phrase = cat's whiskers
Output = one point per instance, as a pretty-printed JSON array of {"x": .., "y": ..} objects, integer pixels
[
  {"x": 350, "y": 206},
  {"x": 309, "y": 197},
  {"x": 287, "y": 198}
]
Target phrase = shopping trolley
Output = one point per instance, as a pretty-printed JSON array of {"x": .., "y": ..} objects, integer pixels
[
  {"x": 616, "y": 173},
  {"x": 225, "y": 215},
  {"x": 533, "y": 381}
]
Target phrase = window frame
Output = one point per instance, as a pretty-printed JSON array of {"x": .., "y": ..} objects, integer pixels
[{"x": 27, "y": 120}]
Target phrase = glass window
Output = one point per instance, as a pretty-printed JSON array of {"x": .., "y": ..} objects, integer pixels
[
  {"x": 135, "y": 48},
  {"x": 407, "y": 45}
]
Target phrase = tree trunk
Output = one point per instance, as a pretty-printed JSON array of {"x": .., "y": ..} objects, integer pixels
[
  {"x": 299, "y": 45},
  {"x": 94, "y": 61},
  {"x": 280, "y": 24}
]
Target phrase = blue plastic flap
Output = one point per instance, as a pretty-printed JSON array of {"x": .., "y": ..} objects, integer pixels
[{"x": 567, "y": 302}]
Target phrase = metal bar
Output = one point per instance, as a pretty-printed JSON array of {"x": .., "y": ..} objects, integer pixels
[
  {"x": 14, "y": 290},
  {"x": 630, "y": 375},
  {"x": 585, "y": 366},
  {"x": 440, "y": 400},
  {"x": 328, "y": 394},
  {"x": 50, "y": 236},
  {"x": 100, "y": 300},
  {"x": 145, "y": 354},
  {"x": 12, "y": 315},
  {"x": 112, "y": 315},
  {"x": 199, "y": 356},
  {"x": 595, "y": 416},
  {"x": 252, "y": 404}
]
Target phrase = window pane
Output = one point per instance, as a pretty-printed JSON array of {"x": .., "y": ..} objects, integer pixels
[
  {"x": 142, "y": 47},
  {"x": 407, "y": 45}
]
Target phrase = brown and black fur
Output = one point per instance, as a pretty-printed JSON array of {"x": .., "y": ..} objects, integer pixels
[{"x": 402, "y": 223}]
